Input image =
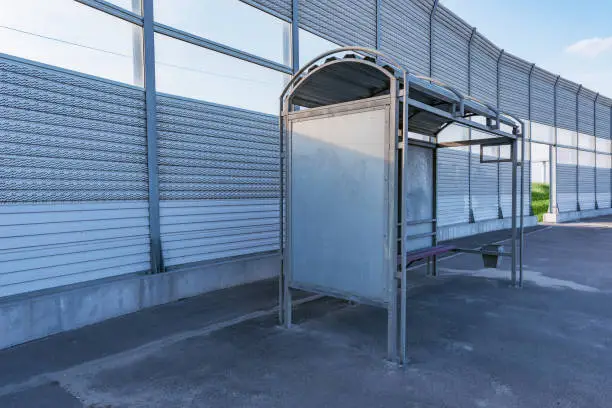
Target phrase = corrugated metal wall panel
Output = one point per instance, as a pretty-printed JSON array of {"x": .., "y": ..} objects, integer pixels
[
  {"x": 219, "y": 182},
  {"x": 586, "y": 115},
  {"x": 344, "y": 22},
  {"x": 73, "y": 178},
  {"x": 566, "y": 179},
  {"x": 586, "y": 180},
  {"x": 604, "y": 167},
  {"x": 453, "y": 194},
  {"x": 484, "y": 69},
  {"x": 603, "y": 118},
  {"x": 282, "y": 7},
  {"x": 566, "y": 104},
  {"x": 450, "y": 49},
  {"x": 405, "y": 33},
  {"x": 484, "y": 187},
  {"x": 514, "y": 86},
  {"x": 543, "y": 97}
]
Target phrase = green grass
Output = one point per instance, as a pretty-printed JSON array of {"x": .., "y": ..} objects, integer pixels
[{"x": 539, "y": 199}]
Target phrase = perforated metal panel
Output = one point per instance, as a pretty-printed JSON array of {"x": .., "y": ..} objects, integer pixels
[
  {"x": 542, "y": 97},
  {"x": 586, "y": 180},
  {"x": 73, "y": 178},
  {"x": 450, "y": 49},
  {"x": 514, "y": 86},
  {"x": 453, "y": 195},
  {"x": 219, "y": 185},
  {"x": 405, "y": 32},
  {"x": 281, "y": 7},
  {"x": 344, "y": 22},
  {"x": 566, "y": 179},
  {"x": 484, "y": 69},
  {"x": 566, "y": 104}
]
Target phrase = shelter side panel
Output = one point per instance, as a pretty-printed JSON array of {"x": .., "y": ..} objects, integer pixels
[{"x": 338, "y": 210}]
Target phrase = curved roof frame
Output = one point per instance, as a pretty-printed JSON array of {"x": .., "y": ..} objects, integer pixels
[{"x": 433, "y": 105}]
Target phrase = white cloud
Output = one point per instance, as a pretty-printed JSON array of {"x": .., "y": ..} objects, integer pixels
[{"x": 591, "y": 47}]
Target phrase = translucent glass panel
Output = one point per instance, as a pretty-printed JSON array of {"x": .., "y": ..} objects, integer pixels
[
  {"x": 312, "y": 45},
  {"x": 586, "y": 141},
  {"x": 131, "y": 5},
  {"x": 604, "y": 145},
  {"x": 566, "y": 156},
  {"x": 542, "y": 133},
  {"x": 566, "y": 137},
  {"x": 70, "y": 35},
  {"x": 604, "y": 161},
  {"x": 454, "y": 133},
  {"x": 228, "y": 22},
  {"x": 586, "y": 158},
  {"x": 191, "y": 71}
]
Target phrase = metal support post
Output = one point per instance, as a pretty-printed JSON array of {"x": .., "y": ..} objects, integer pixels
[
  {"x": 295, "y": 36},
  {"x": 595, "y": 147},
  {"x": 470, "y": 203},
  {"x": 499, "y": 207},
  {"x": 522, "y": 203},
  {"x": 578, "y": 148},
  {"x": 553, "y": 207},
  {"x": 513, "y": 151},
  {"x": 378, "y": 23},
  {"x": 392, "y": 305},
  {"x": 404, "y": 231},
  {"x": 151, "y": 129}
]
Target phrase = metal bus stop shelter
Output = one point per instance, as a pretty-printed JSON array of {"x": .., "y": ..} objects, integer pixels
[{"x": 345, "y": 124}]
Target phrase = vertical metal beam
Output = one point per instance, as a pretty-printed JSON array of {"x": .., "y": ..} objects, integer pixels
[
  {"x": 295, "y": 36},
  {"x": 577, "y": 144},
  {"x": 552, "y": 159},
  {"x": 595, "y": 146},
  {"x": 530, "y": 107},
  {"x": 499, "y": 207},
  {"x": 431, "y": 20},
  {"x": 404, "y": 227},
  {"x": 378, "y": 23},
  {"x": 513, "y": 151},
  {"x": 470, "y": 204},
  {"x": 157, "y": 264}
]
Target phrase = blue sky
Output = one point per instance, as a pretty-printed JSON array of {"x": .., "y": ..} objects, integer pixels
[{"x": 566, "y": 37}]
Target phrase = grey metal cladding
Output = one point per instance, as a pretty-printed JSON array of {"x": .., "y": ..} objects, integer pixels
[
  {"x": 566, "y": 104},
  {"x": 586, "y": 181},
  {"x": 604, "y": 186},
  {"x": 207, "y": 151},
  {"x": 450, "y": 49},
  {"x": 453, "y": 199},
  {"x": 281, "y": 7},
  {"x": 484, "y": 69},
  {"x": 405, "y": 33},
  {"x": 514, "y": 85},
  {"x": 586, "y": 115},
  {"x": 543, "y": 97},
  {"x": 345, "y": 22},
  {"x": 484, "y": 187},
  {"x": 602, "y": 117},
  {"x": 566, "y": 187},
  {"x": 68, "y": 137}
]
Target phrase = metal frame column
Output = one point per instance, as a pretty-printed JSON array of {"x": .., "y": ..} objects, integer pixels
[
  {"x": 431, "y": 20},
  {"x": 295, "y": 36},
  {"x": 530, "y": 137},
  {"x": 157, "y": 264},
  {"x": 553, "y": 207},
  {"x": 577, "y": 148},
  {"x": 500, "y": 214},
  {"x": 378, "y": 24},
  {"x": 595, "y": 141},
  {"x": 471, "y": 218}
]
